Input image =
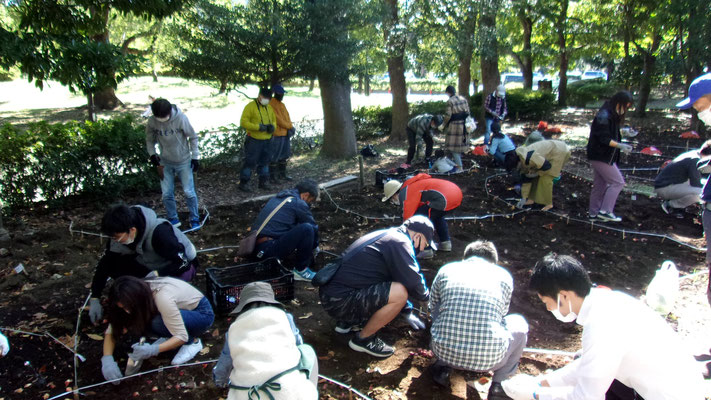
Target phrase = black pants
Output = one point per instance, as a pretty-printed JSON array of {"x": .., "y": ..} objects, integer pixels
[
  {"x": 619, "y": 391},
  {"x": 412, "y": 142}
]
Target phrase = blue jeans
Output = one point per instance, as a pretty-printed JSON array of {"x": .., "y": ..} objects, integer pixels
[
  {"x": 196, "y": 321},
  {"x": 302, "y": 238},
  {"x": 167, "y": 185},
  {"x": 256, "y": 153},
  {"x": 437, "y": 218}
]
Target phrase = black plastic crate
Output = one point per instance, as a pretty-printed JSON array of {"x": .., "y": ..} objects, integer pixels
[
  {"x": 382, "y": 176},
  {"x": 225, "y": 284}
]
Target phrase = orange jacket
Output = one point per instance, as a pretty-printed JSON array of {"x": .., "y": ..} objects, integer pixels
[
  {"x": 422, "y": 189},
  {"x": 282, "y": 117}
]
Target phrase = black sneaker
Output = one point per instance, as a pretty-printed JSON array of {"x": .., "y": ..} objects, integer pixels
[
  {"x": 373, "y": 346},
  {"x": 440, "y": 374},
  {"x": 344, "y": 327},
  {"x": 665, "y": 207},
  {"x": 496, "y": 392}
]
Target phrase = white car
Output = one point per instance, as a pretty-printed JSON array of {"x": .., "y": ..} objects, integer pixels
[{"x": 594, "y": 75}]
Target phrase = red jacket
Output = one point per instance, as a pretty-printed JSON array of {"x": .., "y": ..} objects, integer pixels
[{"x": 422, "y": 189}]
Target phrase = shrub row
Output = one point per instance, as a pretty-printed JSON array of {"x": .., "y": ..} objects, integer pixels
[
  {"x": 581, "y": 93},
  {"x": 522, "y": 104}
]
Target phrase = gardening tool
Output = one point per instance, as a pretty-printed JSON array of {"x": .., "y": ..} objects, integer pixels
[{"x": 132, "y": 366}]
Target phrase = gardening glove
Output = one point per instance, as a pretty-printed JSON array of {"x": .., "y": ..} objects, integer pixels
[
  {"x": 4, "y": 345},
  {"x": 441, "y": 127},
  {"x": 291, "y": 132},
  {"x": 262, "y": 128},
  {"x": 521, "y": 387},
  {"x": 143, "y": 351},
  {"x": 195, "y": 165},
  {"x": 414, "y": 321},
  {"x": 624, "y": 147},
  {"x": 270, "y": 128},
  {"x": 317, "y": 250},
  {"x": 95, "y": 311},
  {"x": 110, "y": 369},
  {"x": 155, "y": 160}
]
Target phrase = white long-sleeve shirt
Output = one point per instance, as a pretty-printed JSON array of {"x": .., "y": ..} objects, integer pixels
[{"x": 625, "y": 340}]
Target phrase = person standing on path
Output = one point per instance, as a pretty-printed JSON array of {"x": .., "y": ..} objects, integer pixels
[
  {"x": 170, "y": 129},
  {"x": 496, "y": 110},
  {"x": 259, "y": 120},
  {"x": 281, "y": 140},
  {"x": 604, "y": 147}
]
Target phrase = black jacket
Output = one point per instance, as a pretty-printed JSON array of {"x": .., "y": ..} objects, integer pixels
[{"x": 605, "y": 127}]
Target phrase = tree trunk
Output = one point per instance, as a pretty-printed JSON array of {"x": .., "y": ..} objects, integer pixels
[
  {"x": 563, "y": 54},
  {"x": 396, "y": 70},
  {"x": 311, "y": 84},
  {"x": 360, "y": 84},
  {"x": 465, "y": 68},
  {"x": 339, "y": 140},
  {"x": 645, "y": 84},
  {"x": 489, "y": 46},
  {"x": 526, "y": 54},
  {"x": 4, "y": 234},
  {"x": 90, "y": 106},
  {"x": 223, "y": 87},
  {"x": 367, "y": 85},
  {"x": 104, "y": 98}
]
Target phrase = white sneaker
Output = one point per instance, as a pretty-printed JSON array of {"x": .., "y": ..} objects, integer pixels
[
  {"x": 445, "y": 246},
  {"x": 187, "y": 352}
]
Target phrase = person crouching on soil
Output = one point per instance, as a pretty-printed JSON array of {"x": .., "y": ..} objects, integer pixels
[
  {"x": 540, "y": 165},
  {"x": 428, "y": 196},
  {"x": 378, "y": 273},
  {"x": 171, "y": 309},
  {"x": 679, "y": 183},
  {"x": 502, "y": 146},
  {"x": 270, "y": 356},
  {"x": 471, "y": 330}
]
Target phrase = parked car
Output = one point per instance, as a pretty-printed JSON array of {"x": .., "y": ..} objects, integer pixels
[{"x": 594, "y": 75}]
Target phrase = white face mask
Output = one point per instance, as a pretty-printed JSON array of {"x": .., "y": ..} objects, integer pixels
[
  {"x": 705, "y": 116},
  {"x": 164, "y": 119},
  {"x": 564, "y": 318},
  {"x": 264, "y": 101}
]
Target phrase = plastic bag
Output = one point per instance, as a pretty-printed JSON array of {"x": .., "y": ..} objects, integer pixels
[
  {"x": 664, "y": 288},
  {"x": 470, "y": 125}
]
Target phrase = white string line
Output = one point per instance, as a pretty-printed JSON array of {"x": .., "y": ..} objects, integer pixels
[
  {"x": 44, "y": 334},
  {"x": 72, "y": 231}
]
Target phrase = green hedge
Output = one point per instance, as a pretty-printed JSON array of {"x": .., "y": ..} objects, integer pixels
[
  {"x": 581, "y": 93},
  {"x": 522, "y": 104},
  {"x": 49, "y": 162}
]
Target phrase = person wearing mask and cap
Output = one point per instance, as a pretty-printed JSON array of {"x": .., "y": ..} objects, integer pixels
[
  {"x": 603, "y": 150},
  {"x": 422, "y": 128},
  {"x": 700, "y": 100},
  {"x": 377, "y": 275},
  {"x": 170, "y": 129},
  {"x": 259, "y": 120},
  {"x": 281, "y": 141},
  {"x": 496, "y": 110},
  {"x": 270, "y": 355},
  {"x": 428, "y": 196},
  {"x": 457, "y": 138},
  {"x": 628, "y": 350}
]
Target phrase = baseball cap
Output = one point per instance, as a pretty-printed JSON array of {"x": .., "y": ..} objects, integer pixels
[
  {"x": 700, "y": 87},
  {"x": 278, "y": 89},
  {"x": 255, "y": 291},
  {"x": 423, "y": 225}
]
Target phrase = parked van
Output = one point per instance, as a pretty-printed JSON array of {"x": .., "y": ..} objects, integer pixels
[{"x": 594, "y": 75}]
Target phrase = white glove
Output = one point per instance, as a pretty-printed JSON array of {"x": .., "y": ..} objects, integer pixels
[
  {"x": 521, "y": 387},
  {"x": 110, "y": 369},
  {"x": 4, "y": 345},
  {"x": 521, "y": 203},
  {"x": 95, "y": 311},
  {"x": 624, "y": 147},
  {"x": 441, "y": 127},
  {"x": 317, "y": 250},
  {"x": 414, "y": 321}
]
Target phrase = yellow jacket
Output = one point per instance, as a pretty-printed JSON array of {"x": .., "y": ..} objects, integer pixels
[
  {"x": 255, "y": 114},
  {"x": 282, "y": 117}
]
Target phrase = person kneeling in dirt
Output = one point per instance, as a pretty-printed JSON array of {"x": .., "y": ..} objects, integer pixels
[
  {"x": 171, "y": 309},
  {"x": 425, "y": 195},
  {"x": 540, "y": 165},
  {"x": 626, "y": 346},
  {"x": 291, "y": 229},
  {"x": 679, "y": 183},
  {"x": 270, "y": 354},
  {"x": 378, "y": 273},
  {"x": 140, "y": 244},
  {"x": 502, "y": 147},
  {"x": 421, "y": 127},
  {"x": 470, "y": 329}
]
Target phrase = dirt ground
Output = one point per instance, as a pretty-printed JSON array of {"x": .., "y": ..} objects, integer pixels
[{"x": 58, "y": 266}]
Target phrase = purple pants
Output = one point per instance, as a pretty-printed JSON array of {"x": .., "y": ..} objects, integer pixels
[{"x": 607, "y": 185}]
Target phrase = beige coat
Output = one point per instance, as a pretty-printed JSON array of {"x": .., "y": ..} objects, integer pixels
[{"x": 534, "y": 156}]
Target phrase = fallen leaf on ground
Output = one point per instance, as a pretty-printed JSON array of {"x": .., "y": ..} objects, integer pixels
[{"x": 95, "y": 337}]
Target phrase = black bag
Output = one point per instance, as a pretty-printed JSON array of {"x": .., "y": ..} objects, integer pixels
[
  {"x": 369, "y": 151},
  {"x": 325, "y": 274}
]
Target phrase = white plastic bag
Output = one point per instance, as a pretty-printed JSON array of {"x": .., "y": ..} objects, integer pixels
[
  {"x": 663, "y": 289},
  {"x": 470, "y": 125}
]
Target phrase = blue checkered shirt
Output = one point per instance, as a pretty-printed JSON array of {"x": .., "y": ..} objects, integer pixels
[{"x": 468, "y": 302}]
